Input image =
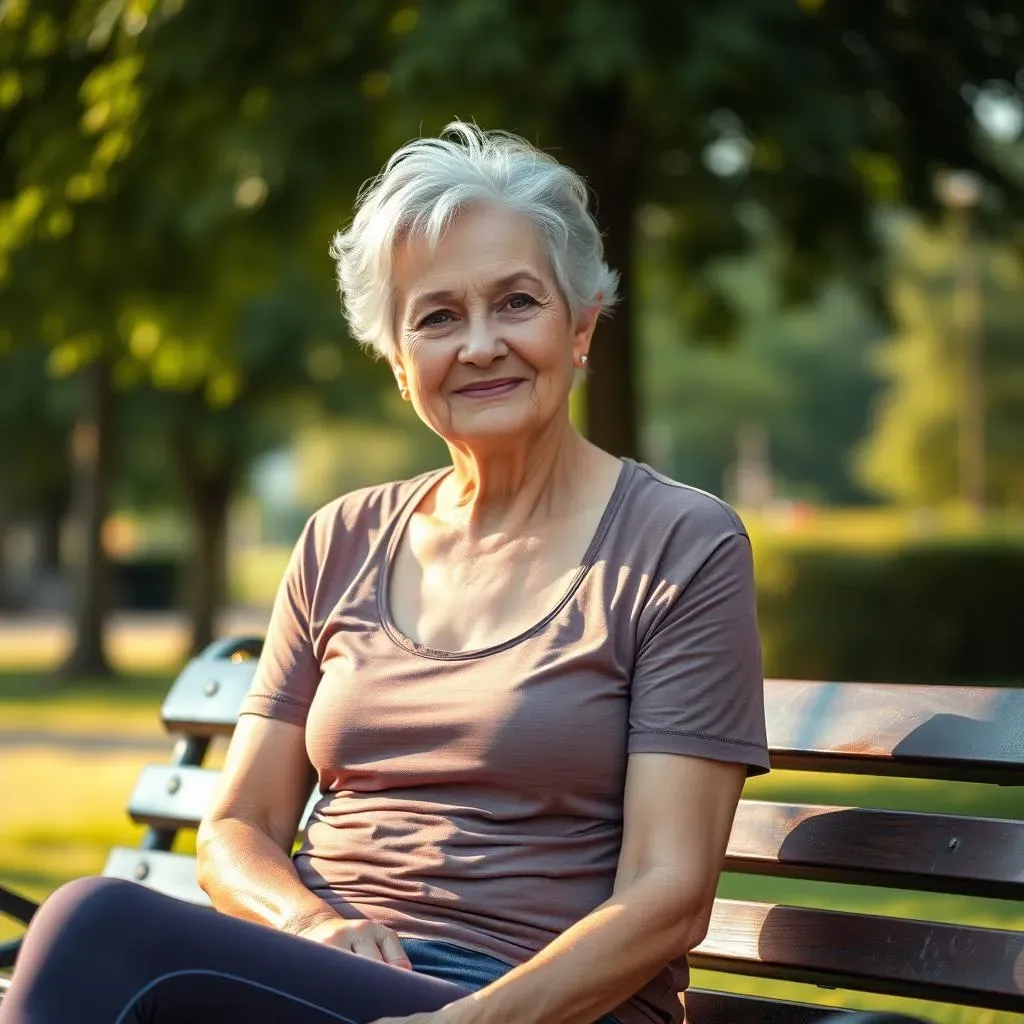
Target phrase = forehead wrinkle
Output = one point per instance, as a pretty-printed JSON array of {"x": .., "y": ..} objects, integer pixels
[{"x": 498, "y": 284}]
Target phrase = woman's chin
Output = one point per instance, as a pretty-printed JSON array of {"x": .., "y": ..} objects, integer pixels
[{"x": 488, "y": 426}]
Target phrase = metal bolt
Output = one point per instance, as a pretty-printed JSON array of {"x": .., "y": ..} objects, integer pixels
[
  {"x": 173, "y": 784},
  {"x": 141, "y": 870},
  {"x": 211, "y": 687}
]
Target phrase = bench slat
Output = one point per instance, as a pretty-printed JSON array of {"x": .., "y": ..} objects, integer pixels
[
  {"x": 171, "y": 797},
  {"x": 171, "y": 873},
  {"x": 962, "y": 733},
  {"x": 899, "y": 849},
  {"x": 704, "y": 1007},
  {"x": 917, "y": 959}
]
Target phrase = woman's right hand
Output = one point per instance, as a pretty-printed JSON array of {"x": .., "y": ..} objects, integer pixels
[{"x": 359, "y": 936}]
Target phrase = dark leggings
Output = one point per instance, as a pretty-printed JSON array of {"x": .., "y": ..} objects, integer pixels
[{"x": 104, "y": 951}]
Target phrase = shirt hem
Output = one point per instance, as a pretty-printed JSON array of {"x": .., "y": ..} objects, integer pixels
[
  {"x": 712, "y": 748},
  {"x": 279, "y": 708}
]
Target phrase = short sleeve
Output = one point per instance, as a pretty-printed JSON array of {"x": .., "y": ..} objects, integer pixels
[
  {"x": 288, "y": 671},
  {"x": 698, "y": 687}
]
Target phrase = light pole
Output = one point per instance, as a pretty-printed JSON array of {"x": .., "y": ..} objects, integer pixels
[{"x": 960, "y": 192}]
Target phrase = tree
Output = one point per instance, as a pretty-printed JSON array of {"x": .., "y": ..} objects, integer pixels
[
  {"x": 35, "y": 418},
  {"x": 798, "y": 379},
  {"x": 911, "y": 454},
  {"x": 289, "y": 372},
  {"x": 133, "y": 248}
]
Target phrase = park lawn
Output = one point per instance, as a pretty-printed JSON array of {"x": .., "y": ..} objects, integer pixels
[
  {"x": 62, "y": 809},
  {"x": 32, "y": 702}
]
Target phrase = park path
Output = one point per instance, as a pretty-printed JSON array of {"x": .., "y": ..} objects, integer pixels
[
  {"x": 149, "y": 641},
  {"x": 146, "y": 639},
  {"x": 82, "y": 743}
]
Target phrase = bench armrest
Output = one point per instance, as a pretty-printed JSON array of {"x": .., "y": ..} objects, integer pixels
[{"x": 18, "y": 907}]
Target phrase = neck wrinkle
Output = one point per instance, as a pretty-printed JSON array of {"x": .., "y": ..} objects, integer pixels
[{"x": 505, "y": 490}]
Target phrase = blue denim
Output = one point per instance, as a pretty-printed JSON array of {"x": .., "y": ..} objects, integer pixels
[{"x": 465, "y": 967}]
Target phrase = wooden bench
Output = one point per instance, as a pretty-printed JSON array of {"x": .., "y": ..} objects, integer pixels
[{"x": 966, "y": 734}]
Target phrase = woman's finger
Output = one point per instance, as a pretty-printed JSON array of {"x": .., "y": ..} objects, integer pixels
[
  {"x": 392, "y": 950},
  {"x": 366, "y": 945}
]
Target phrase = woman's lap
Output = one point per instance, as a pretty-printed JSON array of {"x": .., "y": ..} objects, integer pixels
[
  {"x": 110, "y": 951},
  {"x": 102, "y": 950}
]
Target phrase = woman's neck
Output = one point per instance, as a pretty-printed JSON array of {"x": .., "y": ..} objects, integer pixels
[{"x": 504, "y": 489}]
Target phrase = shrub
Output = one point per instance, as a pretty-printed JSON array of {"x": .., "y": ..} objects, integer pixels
[{"x": 926, "y": 612}]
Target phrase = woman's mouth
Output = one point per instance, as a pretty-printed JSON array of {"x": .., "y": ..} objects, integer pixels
[{"x": 490, "y": 388}]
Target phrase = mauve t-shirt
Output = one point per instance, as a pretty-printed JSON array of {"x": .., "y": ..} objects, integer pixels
[{"x": 476, "y": 797}]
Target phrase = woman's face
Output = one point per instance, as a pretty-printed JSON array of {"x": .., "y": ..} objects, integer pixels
[{"x": 486, "y": 344}]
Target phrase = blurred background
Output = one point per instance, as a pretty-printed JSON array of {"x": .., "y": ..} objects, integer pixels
[{"x": 817, "y": 210}]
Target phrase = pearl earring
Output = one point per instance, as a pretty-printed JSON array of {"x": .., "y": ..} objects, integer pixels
[{"x": 583, "y": 359}]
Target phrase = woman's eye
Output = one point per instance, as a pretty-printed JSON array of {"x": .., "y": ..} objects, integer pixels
[
  {"x": 436, "y": 319},
  {"x": 520, "y": 301}
]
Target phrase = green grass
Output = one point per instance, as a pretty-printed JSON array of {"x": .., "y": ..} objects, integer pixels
[
  {"x": 47, "y": 838},
  {"x": 127, "y": 706}
]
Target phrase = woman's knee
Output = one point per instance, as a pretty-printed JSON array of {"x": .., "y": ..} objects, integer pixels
[{"x": 94, "y": 906}]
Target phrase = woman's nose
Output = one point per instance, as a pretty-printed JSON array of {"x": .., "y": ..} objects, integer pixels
[{"x": 482, "y": 342}]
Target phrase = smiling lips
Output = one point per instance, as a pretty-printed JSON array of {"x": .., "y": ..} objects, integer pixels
[{"x": 489, "y": 388}]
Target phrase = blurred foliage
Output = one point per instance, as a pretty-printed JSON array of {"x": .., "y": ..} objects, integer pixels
[
  {"x": 333, "y": 460},
  {"x": 799, "y": 375},
  {"x": 165, "y": 161},
  {"x": 911, "y": 454},
  {"x": 35, "y": 416},
  {"x": 929, "y": 612}
]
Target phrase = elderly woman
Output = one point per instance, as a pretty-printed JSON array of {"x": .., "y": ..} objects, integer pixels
[{"x": 527, "y": 685}]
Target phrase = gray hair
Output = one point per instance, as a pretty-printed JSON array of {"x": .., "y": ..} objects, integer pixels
[{"x": 427, "y": 183}]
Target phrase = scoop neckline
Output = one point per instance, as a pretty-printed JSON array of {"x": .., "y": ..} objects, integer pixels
[{"x": 397, "y": 530}]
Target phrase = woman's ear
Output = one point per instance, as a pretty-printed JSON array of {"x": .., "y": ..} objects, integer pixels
[
  {"x": 585, "y": 324},
  {"x": 400, "y": 377}
]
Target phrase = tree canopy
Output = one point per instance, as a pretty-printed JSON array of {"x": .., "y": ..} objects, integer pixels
[{"x": 216, "y": 142}]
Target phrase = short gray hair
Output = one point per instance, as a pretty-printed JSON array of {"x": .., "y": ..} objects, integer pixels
[{"x": 427, "y": 183}]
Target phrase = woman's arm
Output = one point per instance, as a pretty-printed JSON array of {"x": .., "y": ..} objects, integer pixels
[
  {"x": 243, "y": 849},
  {"x": 245, "y": 839},
  {"x": 678, "y": 815}
]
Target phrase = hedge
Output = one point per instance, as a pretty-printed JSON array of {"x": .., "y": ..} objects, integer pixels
[{"x": 928, "y": 612}]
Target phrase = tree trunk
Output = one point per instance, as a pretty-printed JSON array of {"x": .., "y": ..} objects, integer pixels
[
  {"x": 6, "y": 599},
  {"x": 208, "y": 490},
  {"x": 91, "y": 452},
  {"x": 604, "y": 145},
  {"x": 51, "y": 517}
]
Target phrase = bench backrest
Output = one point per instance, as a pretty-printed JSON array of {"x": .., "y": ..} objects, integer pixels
[{"x": 972, "y": 734}]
